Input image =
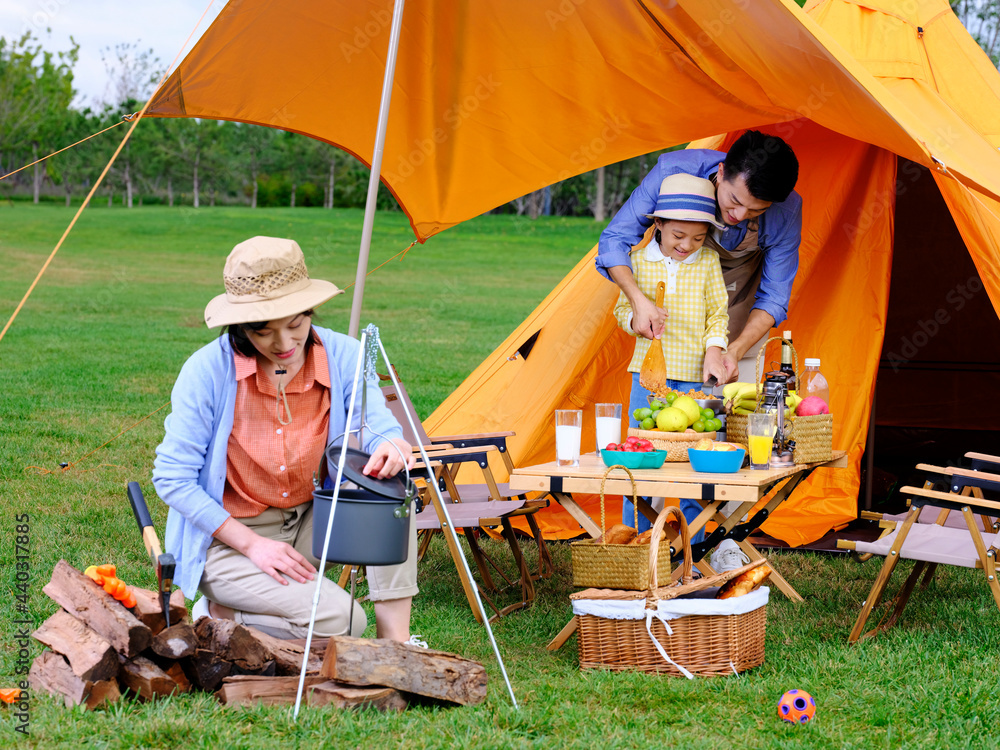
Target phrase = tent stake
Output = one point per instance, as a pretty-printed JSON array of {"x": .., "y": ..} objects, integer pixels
[{"x": 373, "y": 179}]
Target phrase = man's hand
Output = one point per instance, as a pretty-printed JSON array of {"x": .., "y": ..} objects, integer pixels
[
  {"x": 714, "y": 365},
  {"x": 648, "y": 320},
  {"x": 386, "y": 461},
  {"x": 730, "y": 367}
]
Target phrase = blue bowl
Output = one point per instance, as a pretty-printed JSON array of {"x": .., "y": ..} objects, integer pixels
[
  {"x": 634, "y": 460},
  {"x": 716, "y": 462}
]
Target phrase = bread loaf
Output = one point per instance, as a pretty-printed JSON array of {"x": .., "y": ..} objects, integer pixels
[
  {"x": 618, "y": 534},
  {"x": 643, "y": 538},
  {"x": 744, "y": 583}
]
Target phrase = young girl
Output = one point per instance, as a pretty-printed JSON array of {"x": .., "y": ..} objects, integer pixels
[{"x": 696, "y": 301}]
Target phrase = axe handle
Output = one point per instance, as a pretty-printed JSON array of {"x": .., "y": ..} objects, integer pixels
[{"x": 142, "y": 517}]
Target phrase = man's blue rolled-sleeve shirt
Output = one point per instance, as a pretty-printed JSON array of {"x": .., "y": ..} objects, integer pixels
[{"x": 779, "y": 229}]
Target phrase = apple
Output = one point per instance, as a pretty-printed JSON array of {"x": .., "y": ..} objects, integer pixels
[{"x": 810, "y": 407}]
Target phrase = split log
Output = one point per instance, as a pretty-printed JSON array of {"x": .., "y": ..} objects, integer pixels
[
  {"x": 287, "y": 655},
  {"x": 206, "y": 670},
  {"x": 347, "y": 696},
  {"x": 318, "y": 691},
  {"x": 144, "y": 678},
  {"x": 150, "y": 611},
  {"x": 245, "y": 690},
  {"x": 90, "y": 656},
  {"x": 88, "y": 602},
  {"x": 434, "y": 674},
  {"x": 176, "y": 673},
  {"x": 175, "y": 642},
  {"x": 233, "y": 643},
  {"x": 52, "y": 673}
]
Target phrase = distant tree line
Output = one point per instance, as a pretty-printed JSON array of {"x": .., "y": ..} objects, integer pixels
[{"x": 197, "y": 163}]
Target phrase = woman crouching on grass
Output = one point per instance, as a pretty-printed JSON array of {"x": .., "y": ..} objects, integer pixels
[{"x": 252, "y": 414}]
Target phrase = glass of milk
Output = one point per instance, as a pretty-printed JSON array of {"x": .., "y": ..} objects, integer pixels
[
  {"x": 569, "y": 431},
  {"x": 608, "y": 418}
]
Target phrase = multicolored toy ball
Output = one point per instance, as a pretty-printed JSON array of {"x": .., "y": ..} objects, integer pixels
[{"x": 796, "y": 707}]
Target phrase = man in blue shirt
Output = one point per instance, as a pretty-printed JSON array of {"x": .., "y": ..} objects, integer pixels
[{"x": 758, "y": 249}]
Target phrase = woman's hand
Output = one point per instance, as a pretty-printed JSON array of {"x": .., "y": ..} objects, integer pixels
[
  {"x": 275, "y": 558},
  {"x": 386, "y": 461}
]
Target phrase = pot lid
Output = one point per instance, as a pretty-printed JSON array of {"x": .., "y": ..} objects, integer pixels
[{"x": 391, "y": 488}]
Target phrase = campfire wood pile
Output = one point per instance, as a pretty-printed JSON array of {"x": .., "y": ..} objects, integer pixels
[{"x": 98, "y": 650}]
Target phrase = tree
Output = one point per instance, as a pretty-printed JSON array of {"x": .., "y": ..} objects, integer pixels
[
  {"x": 36, "y": 88},
  {"x": 982, "y": 19},
  {"x": 132, "y": 76}
]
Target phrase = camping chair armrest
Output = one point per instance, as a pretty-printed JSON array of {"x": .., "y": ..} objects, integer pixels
[
  {"x": 497, "y": 439},
  {"x": 920, "y": 497},
  {"x": 477, "y": 454},
  {"x": 984, "y": 461},
  {"x": 931, "y": 469},
  {"x": 962, "y": 478}
]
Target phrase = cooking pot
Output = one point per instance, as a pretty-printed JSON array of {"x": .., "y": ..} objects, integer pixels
[{"x": 371, "y": 524}]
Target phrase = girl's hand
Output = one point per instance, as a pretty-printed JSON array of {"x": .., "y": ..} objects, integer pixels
[
  {"x": 278, "y": 559},
  {"x": 715, "y": 366},
  {"x": 648, "y": 320},
  {"x": 386, "y": 461}
]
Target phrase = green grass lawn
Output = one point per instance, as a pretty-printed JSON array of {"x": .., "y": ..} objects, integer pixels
[{"x": 97, "y": 348}]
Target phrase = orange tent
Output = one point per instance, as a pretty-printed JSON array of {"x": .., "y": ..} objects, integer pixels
[{"x": 493, "y": 100}]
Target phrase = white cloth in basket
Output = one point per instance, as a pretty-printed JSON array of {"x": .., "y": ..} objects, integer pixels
[{"x": 671, "y": 609}]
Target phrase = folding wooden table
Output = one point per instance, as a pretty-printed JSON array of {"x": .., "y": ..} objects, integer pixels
[
  {"x": 675, "y": 480},
  {"x": 678, "y": 480}
]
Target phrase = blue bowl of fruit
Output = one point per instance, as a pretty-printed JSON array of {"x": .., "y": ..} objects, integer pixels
[
  {"x": 723, "y": 458},
  {"x": 634, "y": 453}
]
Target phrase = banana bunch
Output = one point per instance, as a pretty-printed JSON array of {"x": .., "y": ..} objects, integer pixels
[{"x": 741, "y": 398}]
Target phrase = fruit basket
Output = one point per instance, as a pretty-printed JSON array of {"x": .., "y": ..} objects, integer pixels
[{"x": 676, "y": 444}]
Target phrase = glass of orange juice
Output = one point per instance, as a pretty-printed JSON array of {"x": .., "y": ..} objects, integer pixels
[{"x": 760, "y": 439}]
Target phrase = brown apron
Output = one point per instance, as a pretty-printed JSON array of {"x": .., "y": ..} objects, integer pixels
[{"x": 741, "y": 270}]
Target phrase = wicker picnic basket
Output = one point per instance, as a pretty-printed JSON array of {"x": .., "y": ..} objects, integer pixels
[
  {"x": 813, "y": 435},
  {"x": 674, "y": 644},
  {"x": 676, "y": 444},
  {"x": 616, "y": 566}
]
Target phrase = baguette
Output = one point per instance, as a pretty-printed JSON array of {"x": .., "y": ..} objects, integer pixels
[{"x": 744, "y": 583}]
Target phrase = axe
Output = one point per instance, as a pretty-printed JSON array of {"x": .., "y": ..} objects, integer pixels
[{"x": 163, "y": 561}]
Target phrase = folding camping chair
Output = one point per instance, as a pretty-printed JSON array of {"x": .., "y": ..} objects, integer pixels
[
  {"x": 473, "y": 506},
  {"x": 937, "y": 543}
]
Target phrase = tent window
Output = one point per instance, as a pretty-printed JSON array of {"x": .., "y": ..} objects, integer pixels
[{"x": 525, "y": 349}]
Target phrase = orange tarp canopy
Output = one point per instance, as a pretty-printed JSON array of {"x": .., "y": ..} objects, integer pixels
[{"x": 492, "y": 100}]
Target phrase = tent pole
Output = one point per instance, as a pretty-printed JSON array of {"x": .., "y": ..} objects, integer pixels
[{"x": 373, "y": 180}]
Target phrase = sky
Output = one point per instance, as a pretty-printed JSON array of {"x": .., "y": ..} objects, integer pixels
[{"x": 162, "y": 25}]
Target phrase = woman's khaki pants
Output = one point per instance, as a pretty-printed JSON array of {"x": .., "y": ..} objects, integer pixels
[{"x": 232, "y": 580}]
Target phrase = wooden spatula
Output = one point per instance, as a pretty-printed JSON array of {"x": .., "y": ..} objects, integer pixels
[{"x": 653, "y": 373}]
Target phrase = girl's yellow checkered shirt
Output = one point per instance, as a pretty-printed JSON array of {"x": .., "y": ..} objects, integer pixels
[{"x": 696, "y": 304}]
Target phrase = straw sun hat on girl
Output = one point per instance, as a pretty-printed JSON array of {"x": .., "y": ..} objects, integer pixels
[
  {"x": 686, "y": 198},
  {"x": 266, "y": 279}
]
